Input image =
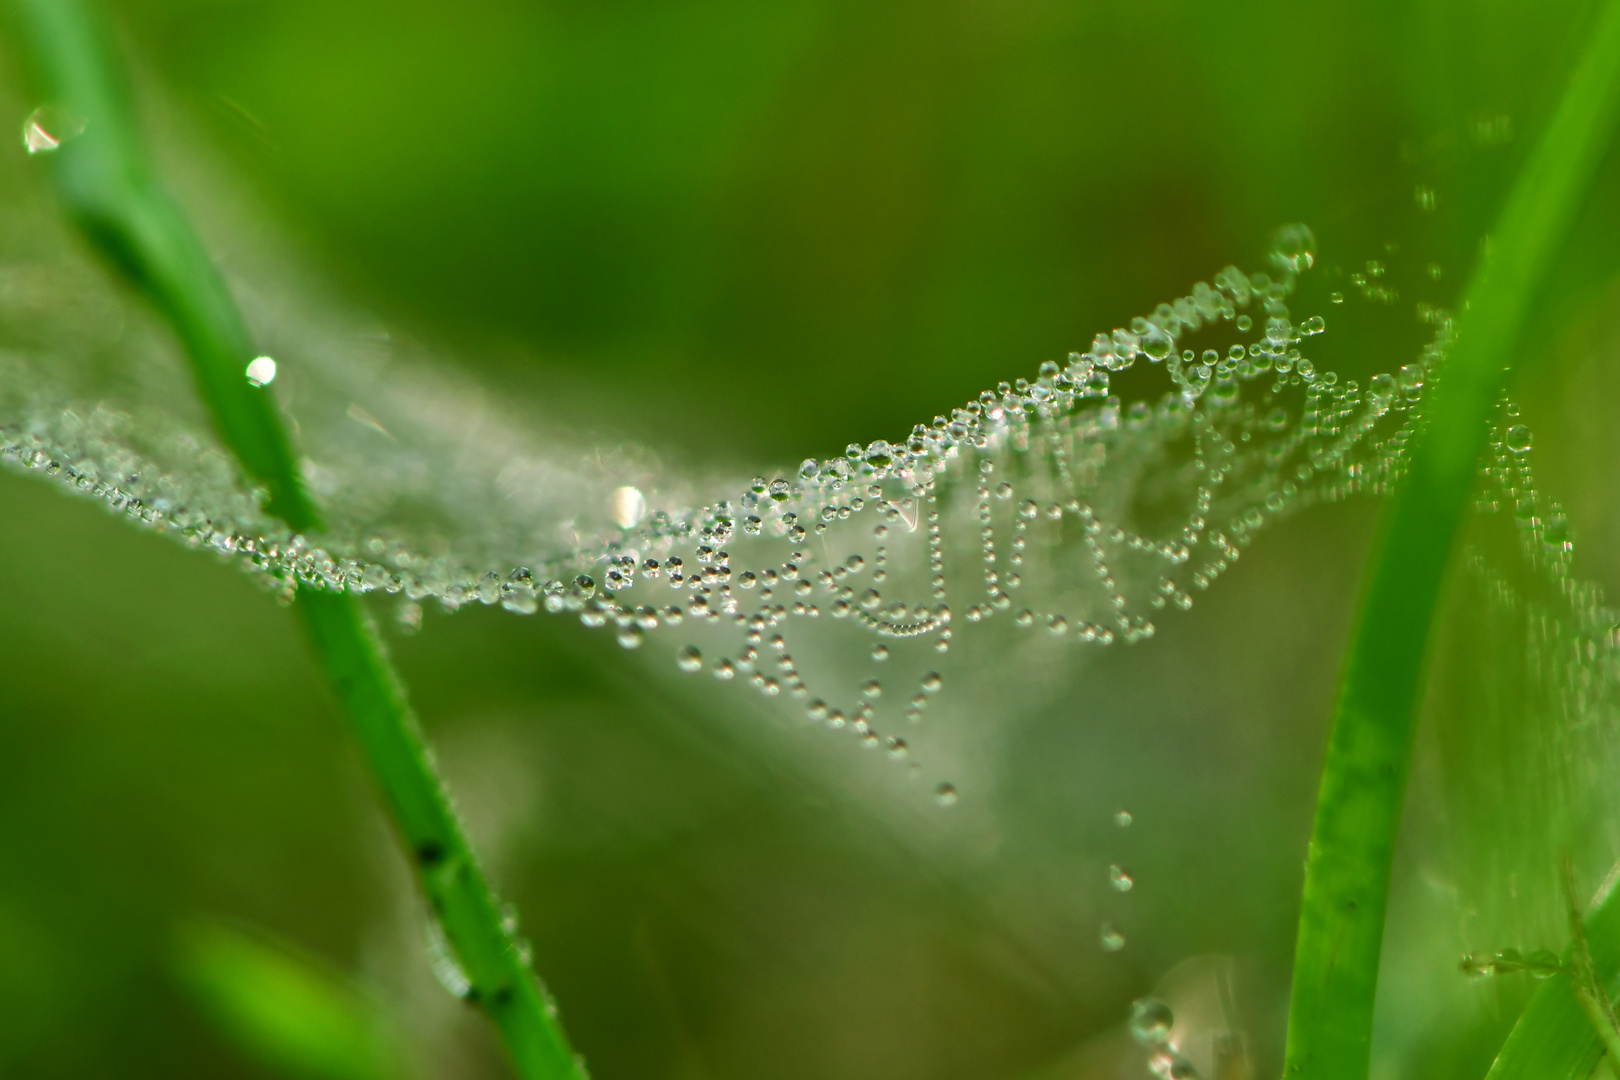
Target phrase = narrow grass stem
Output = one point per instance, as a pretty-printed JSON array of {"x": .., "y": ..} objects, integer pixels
[
  {"x": 106, "y": 183},
  {"x": 1363, "y": 783}
]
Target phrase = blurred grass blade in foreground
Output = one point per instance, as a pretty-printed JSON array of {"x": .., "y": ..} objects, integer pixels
[
  {"x": 283, "y": 1008},
  {"x": 107, "y": 185},
  {"x": 1363, "y": 782}
]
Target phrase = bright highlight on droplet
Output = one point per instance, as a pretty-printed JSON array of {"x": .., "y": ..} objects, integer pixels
[
  {"x": 627, "y": 506},
  {"x": 262, "y": 371}
]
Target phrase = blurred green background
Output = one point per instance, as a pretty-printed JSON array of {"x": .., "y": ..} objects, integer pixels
[{"x": 739, "y": 234}]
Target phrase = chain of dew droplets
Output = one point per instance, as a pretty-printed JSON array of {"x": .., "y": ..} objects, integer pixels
[{"x": 1041, "y": 483}]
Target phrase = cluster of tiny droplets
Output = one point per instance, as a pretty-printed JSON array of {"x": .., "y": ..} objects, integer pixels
[{"x": 1245, "y": 433}]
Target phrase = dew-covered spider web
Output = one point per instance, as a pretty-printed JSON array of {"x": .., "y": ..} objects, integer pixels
[{"x": 899, "y": 595}]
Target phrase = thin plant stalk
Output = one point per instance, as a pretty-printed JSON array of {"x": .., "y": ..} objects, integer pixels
[
  {"x": 1348, "y": 865},
  {"x": 106, "y": 183}
]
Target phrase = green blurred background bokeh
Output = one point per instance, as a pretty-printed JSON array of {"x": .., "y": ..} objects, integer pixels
[{"x": 738, "y": 234}]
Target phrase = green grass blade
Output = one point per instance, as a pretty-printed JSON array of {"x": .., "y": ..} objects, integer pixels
[
  {"x": 1347, "y": 874},
  {"x": 107, "y": 185}
]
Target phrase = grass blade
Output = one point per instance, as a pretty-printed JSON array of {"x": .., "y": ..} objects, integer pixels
[
  {"x": 106, "y": 184},
  {"x": 1347, "y": 874}
]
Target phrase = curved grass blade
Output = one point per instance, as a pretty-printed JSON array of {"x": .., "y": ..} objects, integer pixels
[
  {"x": 1341, "y": 922},
  {"x": 105, "y": 182}
]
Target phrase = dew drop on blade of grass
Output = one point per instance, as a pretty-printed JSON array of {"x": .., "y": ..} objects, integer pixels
[
  {"x": 1119, "y": 879},
  {"x": 1151, "y": 1021},
  {"x": 689, "y": 658},
  {"x": 1110, "y": 938},
  {"x": 261, "y": 371},
  {"x": 446, "y": 969},
  {"x": 932, "y": 682},
  {"x": 1122, "y": 818},
  {"x": 945, "y": 794},
  {"x": 1518, "y": 438}
]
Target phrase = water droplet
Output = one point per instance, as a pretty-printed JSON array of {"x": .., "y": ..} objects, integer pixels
[
  {"x": 880, "y": 652},
  {"x": 724, "y": 670},
  {"x": 872, "y": 689},
  {"x": 48, "y": 127},
  {"x": 689, "y": 658},
  {"x": 1122, "y": 818},
  {"x": 1313, "y": 325},
  {"x": 1151, "y": 1021},
  {"x": 932, "y": 681},
  {"x": 1518, "y": 438},
  {"x": 1119, "y": 879},
  {"x": 261, "y": 371},
  {"x": 1110, "y": 937},
  {"x": 1293, "y": 247},
  {"x": 1425, "y": 197},
  {"x": 1244, "y": 323},
  {"x": 945, "y": 794},
  {"x": 408, "y": 617},
  {"x": 627, "y": 506}
]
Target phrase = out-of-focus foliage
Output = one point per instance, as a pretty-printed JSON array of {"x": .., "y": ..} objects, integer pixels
[{"x": 281, "y": 1008}]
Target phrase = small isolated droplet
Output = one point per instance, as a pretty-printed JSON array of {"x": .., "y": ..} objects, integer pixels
[
  {"x": 1119, "y": 879},
  {"x": 1518, "y": 438},
  {"x": 946, "y": 794},
  {"x": 1122, "y": 818},
  {"x": 48, "y": 127},
  {"x": 1293, "y": 247},
  {"x": 627, "y": 506},
  {"x": 872, "y": 689},
  {"x": 880, "y": 652},
  {"x": 1151, "y": 1021},
  {"x": 689, "y": 658},
  {"x": 932, "y": 681},
  {"x": 261, "y": 371},
  {"x": 1110, "y": 937}
]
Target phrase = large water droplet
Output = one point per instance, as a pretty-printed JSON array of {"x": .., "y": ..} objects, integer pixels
[
  {"x": 1293, "y": 247},
  {"x": 48, "y": 127},
  {"x": 261, "y": 371},
  {"x": 627, "y": 506},
  {"x": 1518, "y": 438}
]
